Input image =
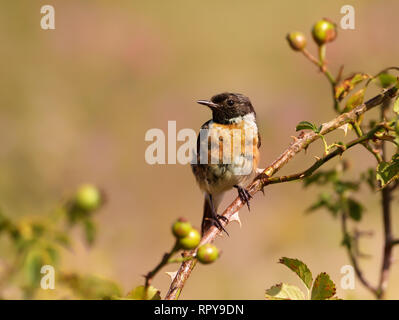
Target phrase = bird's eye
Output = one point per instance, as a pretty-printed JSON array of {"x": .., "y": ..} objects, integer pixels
[{"x": 230, "y": 102}]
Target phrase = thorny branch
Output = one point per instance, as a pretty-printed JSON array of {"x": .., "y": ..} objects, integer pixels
[
  {"x": 353, "y": 258},
  {"x": 165, "y": 259},
  {"x": 265, "y": 178},
  {"x": 386, "y": 217},
  {"x": 389, "y": 242}
]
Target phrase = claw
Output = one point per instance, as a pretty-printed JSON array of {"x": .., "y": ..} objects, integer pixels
[
  {"x": 215, "y": 221},
  {"x": 215, "y": 218},
  {"x": 244, "y": 195}
]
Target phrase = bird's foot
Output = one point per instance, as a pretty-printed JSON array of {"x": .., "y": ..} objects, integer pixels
[
  {"x": 244, "y": 195},
  {"x": 215, "y": 220}
]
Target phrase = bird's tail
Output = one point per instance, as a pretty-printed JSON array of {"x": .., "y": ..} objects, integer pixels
[{"x": 208, "y": 214}]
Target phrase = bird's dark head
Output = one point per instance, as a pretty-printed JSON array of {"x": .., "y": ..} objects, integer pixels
[{"x": 226, "y": 107}]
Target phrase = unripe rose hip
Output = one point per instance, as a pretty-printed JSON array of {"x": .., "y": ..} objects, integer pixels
[
  {"x": 296, "y": 40},
  {"x": 191, "y": 241},
  {"x": 324, "y": 31},
  {"x": 88, "y": 197},
  {"x": 181, "y": 228},
  {"x": 207, "y": 253}
]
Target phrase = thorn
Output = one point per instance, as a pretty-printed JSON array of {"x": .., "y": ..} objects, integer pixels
[
  {"x": 236, "y": 217},
  {"x": 340, "y": 72},
  {"x": 263, "y": 190},
  {"x": 295, "y": 138},
  {"x": 172, "y": 275},
  {"x": 317, "y": 158},
  {"x": 259, "y": 170},
  {"x": 345, "y": 127}
]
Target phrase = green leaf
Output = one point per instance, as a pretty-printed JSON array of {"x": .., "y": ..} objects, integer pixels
[
  {"x": 306, "y": 125},
  {"x": 397, "y": 133},
  {"x": 5, "y": 223},
  {"x": 355, "y": 100},
  {"x": 342, "y": 90},
  {"x": 63, "y": 239},
  {"x": 53, "y": 254},
  {"x": 382, "y": 173},
  {"x": 355, "y": 209},
  {"x": 388, "y": 171},
  {"x": 358, "y": 77},
  {"x": 91, "y": 286},
  {"x": 284, "y": 291},
  {"x": 300, "y": 269},
  {"x": 386, "y": 79},
  {"x": 347, "y": 241},
  {"x": 396, "y": 105},
  {"x": 314, "y": 178},
  {"x": 321, "y": 178},
  {"x": 139, "y": 293},
  {"x": 325, "y": 201},
  {"x": 32, "y": 265},
  {"x": 323, "y": 287},
  {"x": 369, "y": 178},
  {"x": 343, "y": 186}
]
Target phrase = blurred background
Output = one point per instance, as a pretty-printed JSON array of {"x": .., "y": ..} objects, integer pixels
[{"x": 76, "y": 102}]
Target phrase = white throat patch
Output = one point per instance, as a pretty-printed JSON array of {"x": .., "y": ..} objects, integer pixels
[{"x": 250, "y": 117}]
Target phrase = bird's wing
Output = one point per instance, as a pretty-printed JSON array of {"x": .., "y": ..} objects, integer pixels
[{"x": 204, "y": 126}]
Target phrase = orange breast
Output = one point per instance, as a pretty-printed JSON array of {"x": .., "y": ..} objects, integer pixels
[{"x": 235, "y": 139}]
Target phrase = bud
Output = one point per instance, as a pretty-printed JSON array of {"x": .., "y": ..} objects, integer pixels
[
  {"x": 181, "y": 228},
  {"x": 324, "y": 31},
  {"x": 207, "y": 253},
  {"x": 191, "y": 241},
  {"x": 296, "y": 40},
  {"x": 88, "y": 198}
]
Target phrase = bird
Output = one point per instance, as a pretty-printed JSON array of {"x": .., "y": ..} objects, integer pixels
[{"x": 234, "y": 164}]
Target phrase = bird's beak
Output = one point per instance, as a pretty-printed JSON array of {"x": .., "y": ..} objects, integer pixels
[{"x": 207, "y": 103}]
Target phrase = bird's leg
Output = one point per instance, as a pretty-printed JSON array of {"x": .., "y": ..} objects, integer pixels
[
  {"x": 216, "y": 217},
  {"x": 244, "y": 195}
]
